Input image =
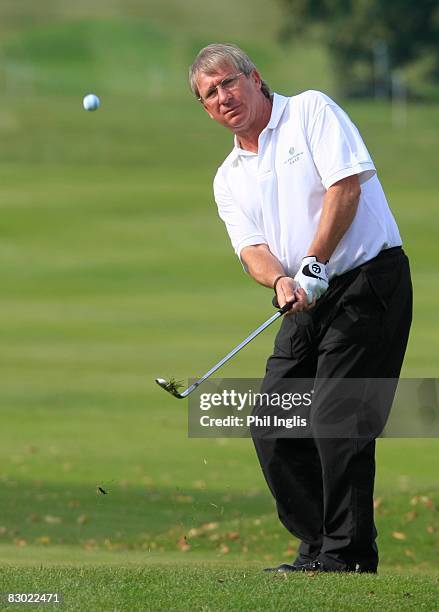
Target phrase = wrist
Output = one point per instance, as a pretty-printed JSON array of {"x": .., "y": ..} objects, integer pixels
[{"x": 321, "y": 260}]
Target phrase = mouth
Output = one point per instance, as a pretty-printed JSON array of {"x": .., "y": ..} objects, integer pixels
[{"x": 231, "y": 111}]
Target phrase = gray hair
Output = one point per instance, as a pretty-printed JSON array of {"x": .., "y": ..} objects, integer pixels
[{"x": 216, "y": 56}]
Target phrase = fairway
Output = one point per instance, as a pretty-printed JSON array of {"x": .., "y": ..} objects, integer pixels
[{"x": 116, "y": 269}]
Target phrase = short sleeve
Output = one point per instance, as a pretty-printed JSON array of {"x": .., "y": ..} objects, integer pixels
[
  {"x": 242, "y": 230},
  {"x": 337, "y": 147}
]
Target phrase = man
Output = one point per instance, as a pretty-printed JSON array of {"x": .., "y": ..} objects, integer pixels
[{"x": 307, "y": 216}]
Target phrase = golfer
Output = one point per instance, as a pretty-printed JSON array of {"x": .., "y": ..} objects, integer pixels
[{"x": 307, "y": 216}]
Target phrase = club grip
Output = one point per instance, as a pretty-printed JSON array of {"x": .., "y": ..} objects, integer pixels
[{"x": 285, "y": 308}]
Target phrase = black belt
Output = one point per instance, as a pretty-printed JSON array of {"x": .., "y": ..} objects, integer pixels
[{"x": 384, "y": 254}]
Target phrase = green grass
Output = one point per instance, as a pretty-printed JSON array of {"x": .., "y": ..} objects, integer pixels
[
  {"x": 114, "y": 270},
  {"x": 223, "y": 587}
]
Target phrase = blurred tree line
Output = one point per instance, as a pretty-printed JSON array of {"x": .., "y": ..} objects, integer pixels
[{"x": 370, "y": 42}]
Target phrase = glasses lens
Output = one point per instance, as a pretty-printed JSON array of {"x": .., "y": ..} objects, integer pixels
[
  {"x": 211, "y": 94},
  {"x": 229, "y": 82}
]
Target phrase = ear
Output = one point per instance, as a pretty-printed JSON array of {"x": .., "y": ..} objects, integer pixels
[{"x": 256, "y": 77}]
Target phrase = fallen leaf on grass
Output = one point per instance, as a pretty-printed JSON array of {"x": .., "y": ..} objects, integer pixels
[
  {"x": 377, "y": 502},
  {"x": 430, "y": 529},
  {"x": 43, "y": 540},
  {"x": 224, "y": 549},
  {"x": 32, "y": 517},
  {"x": 82, "y": 519},
  {"x": 408, "y": 553},
  {"x": 52, "y": 520},
  {"x": 89, "y": 545},
  {"x": 184, "y": 499},
  {"x": 410, "y": 516},
  {"x": 426, "y": 501},
  {"x": 183, "y": 544},
  {"x": 20, "y": 542},
  {"x": 422, "y": 499},
  {"x": 209, "y": 526},
  {"x": 398, "y": 535},
  {"x": 233, "y": 535},
  {"x": 195, "y": 532}
]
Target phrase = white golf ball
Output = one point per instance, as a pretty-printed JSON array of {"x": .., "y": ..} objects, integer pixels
[{"x": 91, "y": 102}]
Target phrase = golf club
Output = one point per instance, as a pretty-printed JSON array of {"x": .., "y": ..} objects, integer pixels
[{"x": 173, "y": 387}]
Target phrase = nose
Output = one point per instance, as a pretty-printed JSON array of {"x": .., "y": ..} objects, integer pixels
[{"x": 223, "y": 95}]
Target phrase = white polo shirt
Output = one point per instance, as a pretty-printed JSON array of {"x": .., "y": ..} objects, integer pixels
[{"x": 275, "y": 196}]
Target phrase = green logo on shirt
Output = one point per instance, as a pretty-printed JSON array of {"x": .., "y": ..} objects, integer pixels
[{"x": 294, "y": 157}]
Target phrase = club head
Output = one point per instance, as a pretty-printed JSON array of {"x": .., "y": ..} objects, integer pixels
[{"x": 170, "y": 386}]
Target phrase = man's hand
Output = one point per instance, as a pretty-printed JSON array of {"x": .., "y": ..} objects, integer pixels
[
  {"x": 265, "y": 268},
  {"x": 312, "y": 277},
  {"x": 287, "y": 290}
]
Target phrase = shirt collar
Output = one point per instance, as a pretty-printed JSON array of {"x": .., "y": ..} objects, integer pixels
[{"x": 279, "y": 103}]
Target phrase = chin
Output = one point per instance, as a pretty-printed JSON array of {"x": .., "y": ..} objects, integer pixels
[{"x": 236, "y": 122}]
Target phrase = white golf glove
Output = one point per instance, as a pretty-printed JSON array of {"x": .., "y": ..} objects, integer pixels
[{"x": 312, "y": 277}]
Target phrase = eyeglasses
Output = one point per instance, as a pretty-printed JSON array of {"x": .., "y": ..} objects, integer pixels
[{"x": 227, "y": 84}]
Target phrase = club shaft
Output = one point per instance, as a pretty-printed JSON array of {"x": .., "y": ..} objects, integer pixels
[{"x": 233, "y": 352}]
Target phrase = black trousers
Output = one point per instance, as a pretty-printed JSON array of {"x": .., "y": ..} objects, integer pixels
[{"x": 323, "y": 487}]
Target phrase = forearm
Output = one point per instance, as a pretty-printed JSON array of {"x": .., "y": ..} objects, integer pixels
[
  {"x": 261, "y": 264},
  {"x": 339, "y": 208},
  {"x": 265, "y": 268}
]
